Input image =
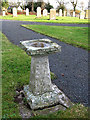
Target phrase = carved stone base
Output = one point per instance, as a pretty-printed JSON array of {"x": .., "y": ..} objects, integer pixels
[{"x": 47, "y": 99}]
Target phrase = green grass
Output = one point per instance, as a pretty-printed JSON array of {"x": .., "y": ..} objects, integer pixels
[
  {"x": 46, "y": 19},
  {"x": 77, "y": 36},
  {"x": 16, "y": 73}
]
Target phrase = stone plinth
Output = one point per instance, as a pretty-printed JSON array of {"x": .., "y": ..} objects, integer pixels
[
  {"x": 27, "y": 12},
  {"x": 14, "y": 12},
  {"x": 45, "y": 12},
  {"x": 82, "y": 15},
  {"x": 38, "y": 12},
  {"x": 60, "y": 12},
  {"x": 41, "y": 92},
  {"x": 52, "y": 14}
]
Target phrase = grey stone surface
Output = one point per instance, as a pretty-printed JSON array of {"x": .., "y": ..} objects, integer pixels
[
  {"x": 56, "y": 96},
  {"x": 41, "y": 92},
  {"x": 40, "y": 47}
]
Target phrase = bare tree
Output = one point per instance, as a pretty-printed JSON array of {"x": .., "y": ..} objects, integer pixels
[{"x": 74, "y": 3}]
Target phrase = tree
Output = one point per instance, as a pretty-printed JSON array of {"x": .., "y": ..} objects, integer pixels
[
  {"x": 5, "y": 5},
  {"x": 61, "y": 5},
  {"x": 48, "y": 6},
  {"x": 74, "y": 3}
]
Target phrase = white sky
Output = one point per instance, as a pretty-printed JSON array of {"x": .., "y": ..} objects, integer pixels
[
  {"x": 55, "y": 4},
  {"x": 69, "y": 6}
]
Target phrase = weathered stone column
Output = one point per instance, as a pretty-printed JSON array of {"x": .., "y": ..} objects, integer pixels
[{"x": 41, "y": 92}]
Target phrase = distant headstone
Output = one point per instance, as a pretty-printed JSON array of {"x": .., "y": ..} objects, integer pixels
[
  {"x": 38, "y": 12},
  {"x": 19, "y": 8},
  {"x": 86, "y": 14},
  {"x": 4, "y": 13},
  {"x": 64, "y": 13},
  {"x": 14, "y": 12},
  {"x": 82, "y": 15},
  {"x": 74, "y": 14},
  {"x": 68, "y": 13},
  {"x": 52, "y": 14},
  {"x": 27, "y": 12},
  {"x": 60, "y": 12},
  {"x": 45, "y": 12}
]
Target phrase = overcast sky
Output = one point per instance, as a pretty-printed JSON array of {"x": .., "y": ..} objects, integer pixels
[
  {"x": 69, "y": 6},
  {"x": 55, "y": 4}
]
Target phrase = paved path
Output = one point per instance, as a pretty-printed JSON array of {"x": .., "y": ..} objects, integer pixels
[{"x": 72, "y": 61}]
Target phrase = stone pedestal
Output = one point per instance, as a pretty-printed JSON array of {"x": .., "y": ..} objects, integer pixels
[
  {"x": 52, "y": 14},
  {"x": 14, "y": 12},
  {"x": 27, "y": 12},
  {"x": 40, "y": 92},
  {"x": 38, "y": 12}
]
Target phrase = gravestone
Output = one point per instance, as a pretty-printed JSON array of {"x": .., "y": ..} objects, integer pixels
[
  {"x": 64, "y": 13},
  {"x": 52, "y": 14},
  {"x": 27, "y": 12},
  {"x": 14, "y": 12},
  {"x": 82, "y": 15},
  {"x": 86, "y": 14},
  {"x": 38, "y": 12},
  {"x": 68, "y": 13},
  {"x": 19, "y": 8},
  {"x": 44, "y": 12},
  {"x": 60, "y": 12},
  {"x": 74, "y": 14},
  {"x": 4, "y": 13}
]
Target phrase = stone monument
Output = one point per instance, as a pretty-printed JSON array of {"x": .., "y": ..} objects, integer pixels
[
  {"x": 86, "y": 14},
  {"x": 14, "y": 12},
  {"x": 73, "y": 13},
  {"x": 40, "y": 92},
  {"x": 60, "y": 12},
  {"x": 45, "y": 12},
  {"x": 52, "y": 14},
  {"x": 64, "y": 13},
  {"x": 68, "y": 13},
  {"x": 38, "y": 12},
  {"x": 4, "y": 14},
  {"x": 82, "y": 15},
  {"x": 27, "y": 12}
]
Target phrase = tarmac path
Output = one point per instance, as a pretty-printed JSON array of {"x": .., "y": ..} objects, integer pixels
[{"x": 70, "y": 65}]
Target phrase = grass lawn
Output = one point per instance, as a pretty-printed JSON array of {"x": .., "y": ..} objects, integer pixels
[
  {"x": 46, "y": 19},
  {"x": 77, "y": 36},
  {"x": 16, "y": 73}
]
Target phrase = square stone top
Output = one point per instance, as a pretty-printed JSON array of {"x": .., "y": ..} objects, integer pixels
[{"x": 40, "y": 47}]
